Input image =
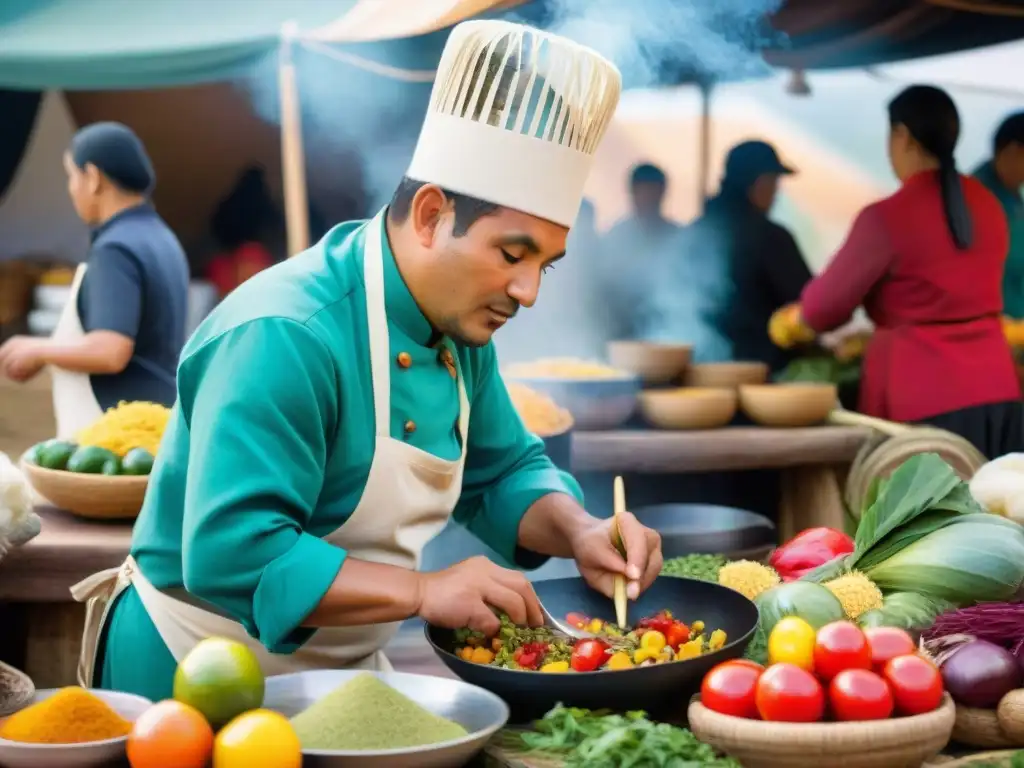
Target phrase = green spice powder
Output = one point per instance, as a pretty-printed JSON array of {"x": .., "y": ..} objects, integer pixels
[{"x": 368, "y": 714}]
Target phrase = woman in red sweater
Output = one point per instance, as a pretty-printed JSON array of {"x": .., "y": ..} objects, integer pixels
[{"x": 927, "y": 265}]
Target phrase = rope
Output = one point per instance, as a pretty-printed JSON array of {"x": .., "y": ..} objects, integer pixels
[
  {"x": 882, "y": 454},
  {"x": 384, "y": 70}
]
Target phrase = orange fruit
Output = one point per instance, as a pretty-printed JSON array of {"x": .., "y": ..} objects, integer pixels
[
  {"x": 170, "y": 733},
  {"x": 257, "y": 739}
]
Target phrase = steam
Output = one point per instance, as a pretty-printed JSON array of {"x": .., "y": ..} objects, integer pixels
[{"x": 360, "y": 130}]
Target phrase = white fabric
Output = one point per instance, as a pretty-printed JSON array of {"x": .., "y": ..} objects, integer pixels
[
  {"x": 74, "y": 404},
  {"x": 515, "y": 118},
  {"x": 408, "y": 499}
]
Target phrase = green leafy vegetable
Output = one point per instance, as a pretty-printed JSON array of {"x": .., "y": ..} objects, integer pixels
[
  {"x": 923, "y": 532},
  {"x": 906, "y": 610},
  {"x": 597, "y": 739},
  {"x": 823, "y": 369}
]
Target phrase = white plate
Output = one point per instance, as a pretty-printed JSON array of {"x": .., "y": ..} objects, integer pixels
[{"x": 15, "y": 754}]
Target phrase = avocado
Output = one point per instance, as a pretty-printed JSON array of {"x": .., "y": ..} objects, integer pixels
[
  {"x": 92, "y": 460},
  {"x": 138, "y": 461},
  {"x": 54, "y": 454}
]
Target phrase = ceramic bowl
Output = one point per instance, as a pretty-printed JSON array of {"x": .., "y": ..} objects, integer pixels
[
  {"x": 731, "y": 374},
  {"x": 689, "y": 407},
  {"x": 788, "y": 405},
  {"x": 654, "y": 362}
]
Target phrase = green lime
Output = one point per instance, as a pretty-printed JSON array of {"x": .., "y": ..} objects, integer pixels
[
  {"x": 220, "y": 678},
  {"x": 138, "y": 461},
  {"x": 54, "y": 454},
  {"x": 33, "y": 453},
  {"x": 91, "y": 460}
]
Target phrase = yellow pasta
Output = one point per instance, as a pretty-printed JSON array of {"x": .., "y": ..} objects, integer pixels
[
  {"x": 539, "y": 413},
  {"x": 127, "y": 426},
  {"x": 565, "y": 368}
]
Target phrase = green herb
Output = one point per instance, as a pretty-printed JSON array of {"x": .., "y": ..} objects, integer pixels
[
  {"x": 597, "y": 739},
  {"x": 923, "y": 532},
  {"x": 820, "y": 369},
  {"x": 703, "y": 567}
]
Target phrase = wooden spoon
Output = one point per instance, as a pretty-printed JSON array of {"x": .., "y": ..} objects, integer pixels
[{"x": 619, "y": 506}]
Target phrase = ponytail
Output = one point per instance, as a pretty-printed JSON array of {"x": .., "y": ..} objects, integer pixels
[{"x": 954, "y": 204}]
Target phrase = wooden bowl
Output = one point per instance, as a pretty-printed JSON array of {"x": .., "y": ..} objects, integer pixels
[
  {"x": 725, "y": 374},
  {"x": 93, "y": 496},
  {"x": 689, "y": 407},
  {"x": 653, "y": 362},
  {"x": 788, "y": 405},
  {"x": 902, "y": 742}
]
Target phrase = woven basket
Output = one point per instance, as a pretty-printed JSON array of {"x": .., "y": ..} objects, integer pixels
[
  {"x": 991, "y": 728},
  {"x": 98, "y": 497},
  {"x": 904, "y": 742}
]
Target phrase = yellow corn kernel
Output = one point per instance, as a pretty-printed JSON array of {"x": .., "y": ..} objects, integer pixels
[
  {"x": 717, "y": 640},
  {"x": 652, "y": 640},
  {"x": 643, "y": 654},
  {"x": 619, "y": 660},
  {"x": 594, "y": 626},
  {"x": 555, "y": 666},
  {"x": 482, "y": 656},
  {"x": 697, "y": 627},
  {"x": 690, "y": 650}
]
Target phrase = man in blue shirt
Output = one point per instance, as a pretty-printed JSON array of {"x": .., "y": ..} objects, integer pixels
[
  {"x": 1004, "y": 177},
  {"x": 123, "y": 328}
]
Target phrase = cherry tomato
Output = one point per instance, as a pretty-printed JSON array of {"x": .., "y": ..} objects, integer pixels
[
  {"x": 677, "y": 634},
  {"x": 577, "y": 620},
  {"x": 791, "y": 641},
  {"x": 588, "y": 655},
  {"x": 787, "y": 693},
  {"x": 661, "y": 622},
  {"x": 887, "y": 643},
  {"x": 529, "y": 655},
  {"x": 857, "y": 694},
  {"x": 838, "y": 646},
  {"x": 746, "y": 663},
  {"x": 916, "y": 684},
  {"x": 729, "y": 689}
]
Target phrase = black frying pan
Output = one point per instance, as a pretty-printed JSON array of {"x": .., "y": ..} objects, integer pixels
[
  {"x": 660, "y": 690},
  {"x": 688, "y": 529}
]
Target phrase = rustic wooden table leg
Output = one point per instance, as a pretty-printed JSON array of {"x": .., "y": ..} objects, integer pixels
[
  {"x": 811, "y": 496},
  {"x": 54, "y": 636}
]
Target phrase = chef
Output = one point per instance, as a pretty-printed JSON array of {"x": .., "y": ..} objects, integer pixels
[
  {"x": 123, "y": 325},
  {"x": 336, "y": 410}
]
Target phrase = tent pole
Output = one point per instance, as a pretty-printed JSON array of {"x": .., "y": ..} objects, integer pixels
[
  {"x": 293, "y": 160},
  {"x": 704, "y": 150}
]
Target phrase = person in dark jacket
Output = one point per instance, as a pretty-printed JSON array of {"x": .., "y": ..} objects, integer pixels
[{"x": 752, "y": 265}]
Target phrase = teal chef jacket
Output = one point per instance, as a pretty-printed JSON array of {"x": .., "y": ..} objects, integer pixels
[
  {"x": 1013, "y": 273},
  {"x": 269, "y": 447}
]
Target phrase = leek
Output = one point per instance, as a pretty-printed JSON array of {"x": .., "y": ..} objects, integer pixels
[{"x": 923, "y": 532}]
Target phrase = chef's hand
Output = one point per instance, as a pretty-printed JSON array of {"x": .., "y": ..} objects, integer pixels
[
  {"x": 599, "y": 561},
  {"x": 468, "y": 593},
  {"x": 20, "y": 357}
]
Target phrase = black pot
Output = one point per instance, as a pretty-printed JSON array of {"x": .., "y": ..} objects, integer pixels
[
  {"x": 688, "y": 529},
  {"x": 661, "y": 690}
]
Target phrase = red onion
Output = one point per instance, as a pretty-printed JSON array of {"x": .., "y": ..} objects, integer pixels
[{"x": 980, "y": 673}]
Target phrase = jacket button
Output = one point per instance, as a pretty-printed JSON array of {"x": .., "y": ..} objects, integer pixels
[
  {"x": 410, "y": 427},
  {"x": 404, "y": 360}
]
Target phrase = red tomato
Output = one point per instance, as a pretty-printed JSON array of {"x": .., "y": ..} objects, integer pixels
[
  {"x": 887, "y": 643},
  {"x": 746, "y": 663},
  {"x": 528, "y": 655},
  {"x": 577, "y": 620},
  {"x": 588, "y": 655},
  {"x": 838, "y": 646},
  {"x": 661, "y": 622},
  {"x": 916, "y": 684},
  {"x": 857, "y": 694},
  {"x": 786, "y": 693},
  {"x": 678, "y": 633},
  {"x": 729, "y": 689}
]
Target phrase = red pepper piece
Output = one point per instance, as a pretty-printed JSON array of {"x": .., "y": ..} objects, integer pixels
[
  {"x": 677, "y": 634},
  {"x": 808, "y": 550}
]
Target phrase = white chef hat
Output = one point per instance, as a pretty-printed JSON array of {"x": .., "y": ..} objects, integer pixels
[{"x": 515, "y": 118}]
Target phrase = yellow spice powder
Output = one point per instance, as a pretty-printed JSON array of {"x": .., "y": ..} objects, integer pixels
[{"x": 70, "y": 716}]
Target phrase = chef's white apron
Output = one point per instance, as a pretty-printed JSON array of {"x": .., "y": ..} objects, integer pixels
[
  {"x": 74, "y": 404},
  {"x": 408, "y": 499}
]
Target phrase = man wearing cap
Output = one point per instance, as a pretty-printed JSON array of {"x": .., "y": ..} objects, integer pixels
[
  {"x": 1004, "y": 177},
  {"x": 123, "y": 326},
  {"x": 759, "y": 263},
  {"x": 337, "y": 410}
]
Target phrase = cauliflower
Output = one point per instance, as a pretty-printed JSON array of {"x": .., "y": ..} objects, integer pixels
[
  {"x": 999, "y": 486},
  {"x": 18, "y": 521}
]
